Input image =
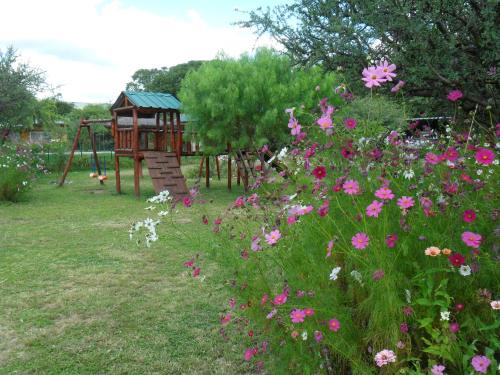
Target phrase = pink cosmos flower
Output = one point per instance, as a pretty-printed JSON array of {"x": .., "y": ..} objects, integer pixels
[
  {"x": 319, "y": 172},
  {"x": 297, "y": 316},
  {"x": 271, "y": 314},
  {"x": 196, "y": 271},
  {"x": 378, "y": 275},
  {"x": 280, "y": 299},
  {"x": 350, "y": 123},
  {"x": 291, "y": 220},
  {"x": 373, "y": 77},
  {"x": 398, "y": 86},
  {"x": 360, "y": 240},
  {"x": 385, "y": 357},
  {"x": 273, "y": 237},
  {"x": 295, "y": 126},
  {"x": 384, "y": 193},
  {"x": 255, "y": 246},
  {"x": 225, "y": 319},
  {"x": 390, "y": 240},
  {"x": 485, "y": 156},
  {"x": 323, "y": 210},
  {"x": 374, "y": 208},
  {"x": 406, "y": 202},
  {"x": 471, "y": 239},
  {"x": 454, "y": 327},
  {"x": 187, "y": 202},
  {"x": 351, "y": 187},
  {"x": 480, "y": 363},
  {"x": 329, "y": 248},
  {"x": 334, "y": 325},
  {"x": 495, "y": 305},
  {"x": 469, "y": 216},
  {"x": 432, "y": 158},
  {"x": 249, "y": 353},
  {"x": 454, "y": 95},
  {"x": 451, "y": 154},
  {"x": 387, "y": 70},
  {"x": 438, "y": 369},
  {"x": 309, "y": 312},
  {"x": 325, "y": 122},
  {"x": 239, "y": 202}
]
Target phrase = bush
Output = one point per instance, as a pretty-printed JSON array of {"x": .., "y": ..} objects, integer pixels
[
  {"x": 17, "y": 166},
  {"x": 365, "y": 254}
]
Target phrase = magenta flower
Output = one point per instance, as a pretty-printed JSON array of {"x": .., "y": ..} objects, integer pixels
[
  {"x": 451, "y": 154},
  {"x": 280, "y": 299},
  {"x": 390, "y": 240},
  {"x": 454, "y": 95},
  {"x": 378, "y": 275},
  {"x": 454, "y": 327},
  {"x": 387, "y": 70},
  {"x": 372, "y": 77},
  {"x": 385, "y": 357},
  {"x": 398, "y": 86},
  {"x": 239, "y": 202},
  {"x": 406, "y": 202},
  {"x": 471, "y": 239},
  {"x": 438, "y": 369},
  {"x": 323, "y": 210},
  {"x": 384, "y": 193},
  {"x": 318, "y": 336},
  {"x": 350, "y": 123},
  {"x": 309, "y": 312},
  {"x": 469, "y": 216},
  {"x": 360, "y": 240},
  {"x": 334, "y": 325},
  {"x": 480, "y": 363},
  {"x": 485, "y": 156},
  {"x": 319, "y": 172},
  {"x": 403, "y": 328},
  {"x": 273, "y": 237},
  {"x": 374, "y": 208},
  {"x": 432, "y": 158},
  {"x": 187, "y": 202},
  {"x": 351, "y": 187},
  {"x": 297, "y": 316}
]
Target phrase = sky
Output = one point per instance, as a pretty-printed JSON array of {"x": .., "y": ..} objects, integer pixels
[{"x": 89, "y": 49}]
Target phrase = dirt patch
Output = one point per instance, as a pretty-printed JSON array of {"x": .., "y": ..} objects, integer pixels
[{"x": 9, "y": 344}]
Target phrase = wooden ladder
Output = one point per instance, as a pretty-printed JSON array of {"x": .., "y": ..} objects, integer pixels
[
  {"x": 165, "y": 172},
  {"x": 244, "y": 165}
]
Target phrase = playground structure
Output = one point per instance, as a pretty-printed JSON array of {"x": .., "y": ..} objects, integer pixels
[{"x": 149, "y": 127}]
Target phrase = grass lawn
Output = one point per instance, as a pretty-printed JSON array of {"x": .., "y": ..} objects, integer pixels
[{"x": 78, "y": 297}]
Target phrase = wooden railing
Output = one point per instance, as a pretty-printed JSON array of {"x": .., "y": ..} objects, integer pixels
[{"x": 124, "y": 139}]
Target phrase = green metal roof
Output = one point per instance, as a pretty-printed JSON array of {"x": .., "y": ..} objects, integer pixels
[{"x": 149, "y": 100}]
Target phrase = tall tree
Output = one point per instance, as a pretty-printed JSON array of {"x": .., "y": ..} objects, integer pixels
[
  {"x": 162, "y": 80},
  {"x": 437, "y": 45},
  {"x": 243, "y": 101},
  {"x": 19, "y": 83}
]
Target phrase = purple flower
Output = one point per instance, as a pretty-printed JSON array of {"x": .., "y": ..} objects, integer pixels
[
  {"x": 480, "y": 363},
  {"x": 438, "y": 370}
]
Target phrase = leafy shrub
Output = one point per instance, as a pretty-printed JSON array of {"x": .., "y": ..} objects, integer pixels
[{"x": 17, "y": 166}]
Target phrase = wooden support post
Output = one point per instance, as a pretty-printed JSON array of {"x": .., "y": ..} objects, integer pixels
[
  {"x": 165, "y": 132},
  {"x": 238, "y": 175},
  {"x": 117, "y": 174},
  {"x": 94, "y": 151},
  {"x": 200, "y": 172},
  {"x": 157, "y": 141},
  {"x": 135, "y": 145},
  {"x": 218, "y": 166},
  {"x": 179, "y": 136},
  {"x": 207, "y": 171},
  {"x": 172, "y": 136},
  {"x": 229, "y": 172},
  {"x": 71, "y": 155}
]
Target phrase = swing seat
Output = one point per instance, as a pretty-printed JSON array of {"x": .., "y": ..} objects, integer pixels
[
  {"x": 93, "y": 175},
  {"x": 102, "y": 178}
]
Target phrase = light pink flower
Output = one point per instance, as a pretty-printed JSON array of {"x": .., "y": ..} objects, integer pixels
[
  {"x": 351, "y": 187},
  {"x": 495, "y": 305},
  {"x": 374, "y": 208},
  {"x": 406, "y": 202},
  {"x": 387, "y": 70},
  {"x": 385, "y": 357},
  {"x": 295, "y": 126},
  {"x": 280, "y": 299},
  {"x": 471, "y": 239},
  {"x": 438, "y": 369},
  {"x": 273, "y": 237},
  {"x": 360, "y": 240},
  {"x": 297, "y": 316},
  {"x": 325, "y": 122},
  {"x": 480, "y": 363},
  {"x": 384, "y": 193},
  {"x": 485, "y": 156},
  {"x": 398, "y": 86},
  {"x": 372, "y": 77},
  {"x": 318, "y": 336}
]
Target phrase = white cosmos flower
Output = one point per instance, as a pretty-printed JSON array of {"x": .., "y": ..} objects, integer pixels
[
  {"x": 408, "y": 174},
  {"x": 304, "y": 335},
  {"x": 445, "y": 315},
  {"x": 464, "y": 270},
  {"x": 335, "y": 273}
]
